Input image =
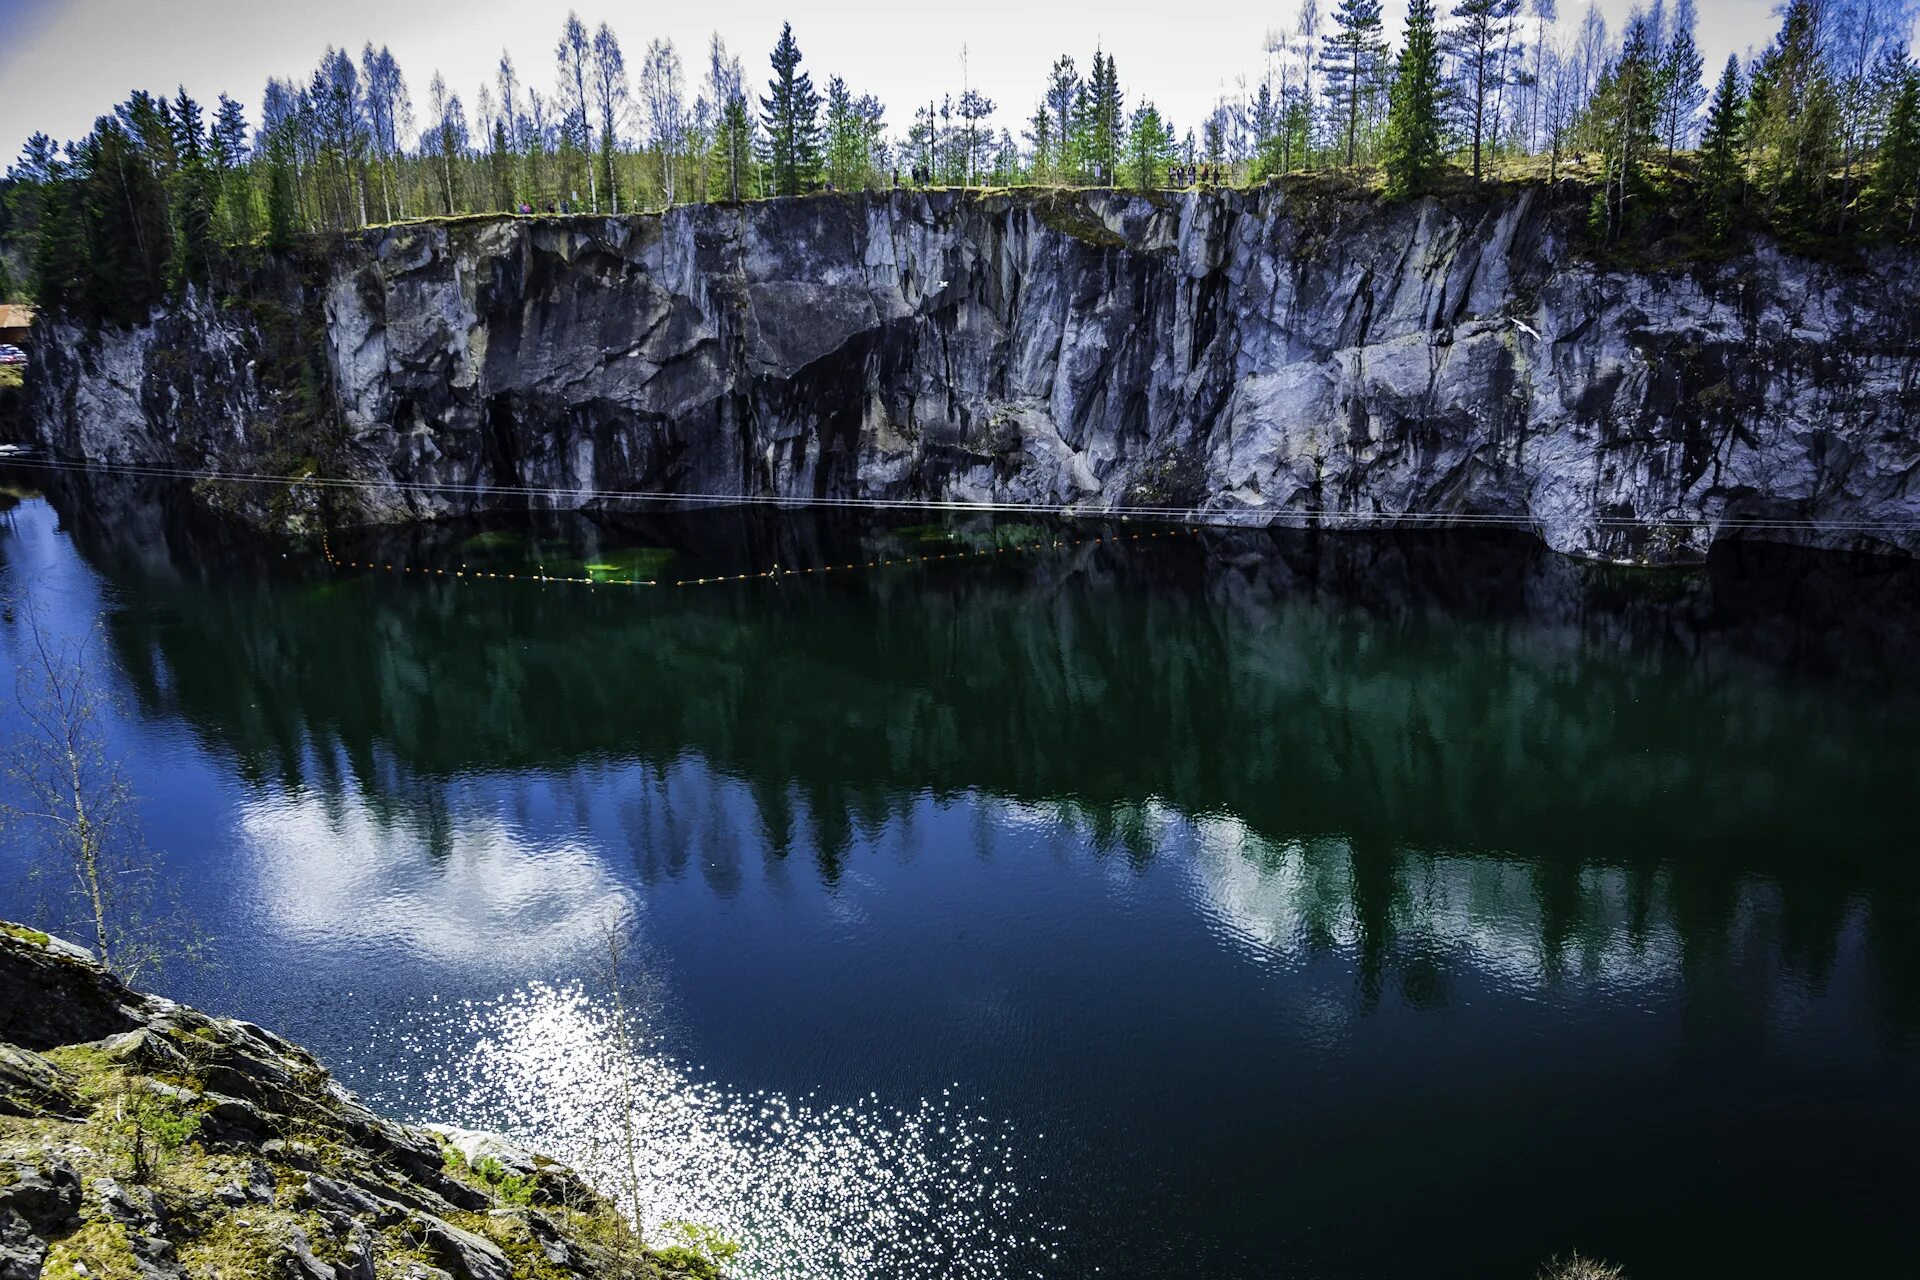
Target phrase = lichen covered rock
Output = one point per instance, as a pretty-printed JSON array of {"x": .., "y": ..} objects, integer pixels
[{"x": 176, "y": 1146}]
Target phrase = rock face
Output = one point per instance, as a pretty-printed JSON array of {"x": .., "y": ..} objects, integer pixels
[
  {"x": 142, "y": 1140},
  {"x": 1290, "y": 354}
]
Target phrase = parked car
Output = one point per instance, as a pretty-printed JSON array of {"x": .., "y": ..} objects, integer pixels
[{"x": 10, "y": 354}]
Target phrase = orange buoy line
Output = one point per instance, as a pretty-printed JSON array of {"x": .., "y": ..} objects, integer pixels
[{"x": 326, "y": 549}]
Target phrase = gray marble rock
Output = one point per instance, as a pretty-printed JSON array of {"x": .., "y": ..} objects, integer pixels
[{"x": 1282, "y": 355}]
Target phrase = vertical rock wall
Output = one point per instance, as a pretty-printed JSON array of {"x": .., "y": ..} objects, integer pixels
[{"x": 1280, "y": 355}]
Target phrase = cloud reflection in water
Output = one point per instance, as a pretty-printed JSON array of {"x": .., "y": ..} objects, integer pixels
[{"x": 461, "y": 889}]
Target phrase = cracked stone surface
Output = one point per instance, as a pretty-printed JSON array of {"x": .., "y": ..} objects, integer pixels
[{"x": 1270, "y": 356}]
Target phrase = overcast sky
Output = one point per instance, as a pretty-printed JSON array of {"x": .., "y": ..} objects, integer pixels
[{"x": 63, "y": 62}]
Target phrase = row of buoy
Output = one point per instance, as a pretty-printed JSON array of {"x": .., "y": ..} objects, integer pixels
[{"x": 326, "y": 548}]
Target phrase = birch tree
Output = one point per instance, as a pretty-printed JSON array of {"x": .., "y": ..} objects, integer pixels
[
  {"x": 610, "y": 92},
  {"x": 74, "y": 800},
  {"x": 663, "y": 100},
  {"x": 573, "y": 54}
]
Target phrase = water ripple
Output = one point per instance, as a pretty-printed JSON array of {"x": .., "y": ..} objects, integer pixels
[{"x": 862, "y": 1190}]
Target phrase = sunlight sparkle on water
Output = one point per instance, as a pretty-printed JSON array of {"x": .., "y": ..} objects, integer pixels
[{"x": 809, "y": 1189}]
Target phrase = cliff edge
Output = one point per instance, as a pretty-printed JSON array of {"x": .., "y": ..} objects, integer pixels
[
  {"x": 1301, "y": 353},
  {"x": 142, "y": 1140}
]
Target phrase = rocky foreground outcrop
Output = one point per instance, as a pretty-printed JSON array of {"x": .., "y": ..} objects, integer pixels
[
  {"x": 1298, "y": 353},
  {"x": 142, "y": 1140}
]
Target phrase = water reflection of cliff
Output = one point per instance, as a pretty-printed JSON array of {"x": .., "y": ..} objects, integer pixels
[{"x": 1464, "y": 694}]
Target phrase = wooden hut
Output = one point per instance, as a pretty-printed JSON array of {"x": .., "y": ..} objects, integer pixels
[{"x": 15, "y": 322}]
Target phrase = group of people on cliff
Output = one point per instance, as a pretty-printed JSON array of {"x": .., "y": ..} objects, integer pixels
[
  {"x": 1180, "y": 175},
  {"x": 1198, "y": 175}
]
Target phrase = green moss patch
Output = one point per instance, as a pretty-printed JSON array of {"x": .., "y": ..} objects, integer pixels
[
  {"x": 101, "y": 1247},
  {"x": 21, "y": 932},
  {"x": 1071, "y": 217}
]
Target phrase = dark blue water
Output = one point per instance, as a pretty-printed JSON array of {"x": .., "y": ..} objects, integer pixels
[{"x": 1248, "y": 905}]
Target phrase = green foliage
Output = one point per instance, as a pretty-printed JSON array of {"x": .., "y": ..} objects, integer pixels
[
  {"x": 280, "y": 199},
  {"x": 1792, "y": 120},
  {"x": 855, "y": 136},
  {"x": 1349, "y": 63},
  {"x": 1149, "y": 147},
  {"x": 1413, "y": 152},
  {"x": 1623, "y": 117},
  {"x": 149, "y": 1128},
  {"x": 1722, "y": 171},
  {"x": 1680, "y": 89},
  {"x": 191, "y": 196},
  {"x": 1482, "y": 43},
  {"x": 161, "y": 196},
  {"x": 1069, "y": 215},
  {"x": 1895, "y": 193},
  {"x": 695, "y": 1248},
  {"x": 1098, "y": 122},
  {"x": 791, "y": 114},
  {"x": 509, "y": 1187},
  {"x": 35, "y": 936},
  {"x": 731, "y": 174},
  {"x": 98, "y": 1250}
]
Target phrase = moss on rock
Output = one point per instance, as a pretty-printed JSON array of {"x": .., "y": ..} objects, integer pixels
[{"x": 199, "y": 1148}]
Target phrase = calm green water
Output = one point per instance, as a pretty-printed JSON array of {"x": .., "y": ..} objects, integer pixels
[{"x": 1234, "y": 905}]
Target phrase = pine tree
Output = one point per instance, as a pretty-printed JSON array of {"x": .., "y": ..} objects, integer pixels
[
  {"x": 733, "y": 150},
  {"x": 1063, "y": 89},
  {"x": 609, "y": 100},
  {"x": 59, "y": 262},
  {"x": 1149, "y": 147},
  {"x": 1413, "y": 151},
  {"x": 1042, "y": 144},
  {"x": 1722, "y": 175},
  {"x": 572, "y": 56},
  {"x": 1100, "y": 121},
  {"x": 1624, "y": 116},
  {"x": 1792, "y": 118},
  {"x": 281, "y": 202},
  {"x": 791, "y": 113},
  {"x": 1896, "y": 174},
  {"x": 124, "y": 208},
  {"x": 1681, "y": 92},
  {"x": 192, "y": 197},
  {"x": 500, "y": 165},
  {"x": 1482, "y": 46},
  {"x": 1263, "y": 119},
  {"x": 1350, "y": 57},
  {"x": 853, "y": 135},
  {"x": 227, "y": 149},
  {"x": 974, "y": 110}
]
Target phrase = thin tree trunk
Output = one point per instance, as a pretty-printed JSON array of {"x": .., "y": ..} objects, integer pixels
[{"x": 624, "y": 1047}]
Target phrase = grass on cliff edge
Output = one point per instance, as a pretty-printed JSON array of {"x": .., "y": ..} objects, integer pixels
[{"x": 12, "y": 376}]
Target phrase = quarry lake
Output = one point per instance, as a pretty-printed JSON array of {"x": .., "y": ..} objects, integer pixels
[{"x": 1206, "y": 903}]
